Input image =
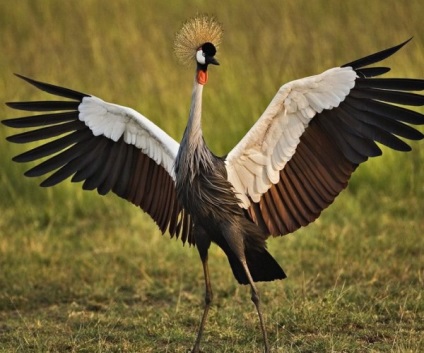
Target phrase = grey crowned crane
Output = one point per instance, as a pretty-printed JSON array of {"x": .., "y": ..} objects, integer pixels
[{"x": 290, "y": 166}]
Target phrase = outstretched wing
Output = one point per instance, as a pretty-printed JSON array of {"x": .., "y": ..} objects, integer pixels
[
  {"x": 108, "y": 147},
  {"x": 302, "y": 151}
]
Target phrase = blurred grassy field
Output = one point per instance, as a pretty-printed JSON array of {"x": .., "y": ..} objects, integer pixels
[{"x": 82, "y": 273}]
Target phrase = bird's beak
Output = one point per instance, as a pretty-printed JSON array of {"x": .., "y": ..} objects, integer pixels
[{"x": 211, "y": 60}]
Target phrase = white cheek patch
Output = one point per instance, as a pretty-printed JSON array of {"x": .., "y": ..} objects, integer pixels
[{"x": 200, "y": 57}]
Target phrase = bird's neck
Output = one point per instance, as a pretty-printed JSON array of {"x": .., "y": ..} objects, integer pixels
[
  {"x": 193, "y": 133},
  {"x": 193, "y": 154}
]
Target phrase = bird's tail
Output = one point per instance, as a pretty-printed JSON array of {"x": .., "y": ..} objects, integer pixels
[
  {"x": 262, "y": 266},
  {"x": 247, "y": 237}
]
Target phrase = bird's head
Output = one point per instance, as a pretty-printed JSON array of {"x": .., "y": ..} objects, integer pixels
[
  {"x": 205, "y": 55},
  {"x": 198, "y": 40}
]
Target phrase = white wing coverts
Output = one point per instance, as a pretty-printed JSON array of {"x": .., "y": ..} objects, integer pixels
[
  {"x": 114, "y": 121},
  {"x": 255, "y": 162}
]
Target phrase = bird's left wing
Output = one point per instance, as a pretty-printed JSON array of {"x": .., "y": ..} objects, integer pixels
[
  {"x": 301, "y": 152},
  {"x": 108, "y": 147}
]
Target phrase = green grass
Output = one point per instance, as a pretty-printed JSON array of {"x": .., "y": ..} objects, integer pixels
[{"x": 83, "y": 273}]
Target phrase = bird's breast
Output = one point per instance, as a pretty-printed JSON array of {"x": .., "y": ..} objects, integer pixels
[{"x": 204, "y": 191}]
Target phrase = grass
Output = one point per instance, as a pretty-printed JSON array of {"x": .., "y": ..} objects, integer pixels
[{"x": 82, "y": 273}]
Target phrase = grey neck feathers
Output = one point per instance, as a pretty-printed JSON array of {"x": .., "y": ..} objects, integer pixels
[{"x": 194, "y": 154}]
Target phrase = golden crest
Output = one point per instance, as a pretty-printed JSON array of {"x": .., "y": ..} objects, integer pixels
[{"x": 195, "y": 32}]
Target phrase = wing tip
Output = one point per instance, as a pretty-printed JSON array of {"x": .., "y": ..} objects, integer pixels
[
  {"x": 376, "y": 57},
  {"x": 53, "y": 89}
]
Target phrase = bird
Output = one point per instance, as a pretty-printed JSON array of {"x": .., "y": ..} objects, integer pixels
[{"x": 290, "y": 166}]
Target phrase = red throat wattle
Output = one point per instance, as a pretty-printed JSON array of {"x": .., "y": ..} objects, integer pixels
[{"x": 202, "y": 77}]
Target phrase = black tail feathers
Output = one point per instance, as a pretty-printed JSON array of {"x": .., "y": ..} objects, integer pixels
[{"x": 262, "y": 266}]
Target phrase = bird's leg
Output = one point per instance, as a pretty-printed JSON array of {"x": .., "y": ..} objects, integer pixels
[
  {"x": 256, "y": 301},
  {"x": 208, "y": 301}
]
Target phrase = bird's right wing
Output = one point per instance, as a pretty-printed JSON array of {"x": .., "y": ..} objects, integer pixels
[
  {"x": 108, "y": 147},
  {"x": 301, "y": 152}
]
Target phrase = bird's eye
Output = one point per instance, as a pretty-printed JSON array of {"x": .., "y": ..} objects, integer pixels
[{"x": 200, "y": 57}]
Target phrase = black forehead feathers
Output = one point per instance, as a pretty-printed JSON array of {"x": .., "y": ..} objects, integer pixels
[{"x": 209, "y": 49}]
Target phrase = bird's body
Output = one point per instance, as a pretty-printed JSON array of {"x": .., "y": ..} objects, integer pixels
[
  {"x": 290, "y": 166},
  {"x": 204, "y": 190}
]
